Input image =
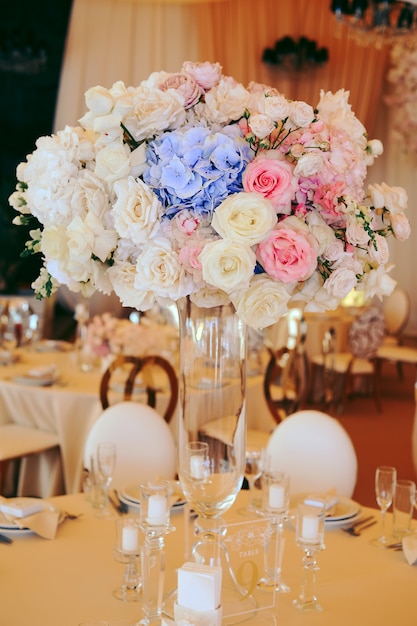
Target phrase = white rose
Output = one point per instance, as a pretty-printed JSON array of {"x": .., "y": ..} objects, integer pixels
[
  {"x": 137, "y": 210},
  {"x": 244, "y": 217},
  {"x": 80, "y": 240},
  {"x": 309, "y": 164},
  {"x": 274, "y": 106},
  {"x": 301, "y": 113},
  {"x": 112, "y": 162},
  {"x": 54, "y": 244},
  {"x": 261, "y": 125},
  {"x": 155, "y": 111},
  {"x": 227, "y": 101},
  {"x": 380, "y": 254},
  {"x": 159, "y": 270},
  {"x": 227, "y": 265},
  {"x": 123, "y": 276},
  {"x": 334, "y": 251},
  {"x": 340, "y": 282},
  {"x": 392, "y": 198},
  {"x": 99, "y": 100},
  {"x": 105, "y": 239},
  {"x": 209, "y": 297},
  {"x": 90, "y": 194},
  {"x": 378, "y": 283},
  {"x": 262, "y": 303},
  {"x": 355, "y": 233},
  {"x": 400, "y": 226}
]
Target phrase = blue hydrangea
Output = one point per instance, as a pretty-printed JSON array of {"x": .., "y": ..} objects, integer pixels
[{"x": 196, "y": 168}]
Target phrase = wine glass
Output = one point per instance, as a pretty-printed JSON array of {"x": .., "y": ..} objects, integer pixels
[
  {"x": 106, "y": 463},
  {"x": 385, "y": 481},
  {"x": 310, "y": 537},
  {"x": 254, "y": 466}
]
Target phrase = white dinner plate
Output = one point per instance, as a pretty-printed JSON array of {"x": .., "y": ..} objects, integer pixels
[
  {"x": 343, "y": 511},
  {"x": 131, "y": 495},
  {"x": 37, "y": 381},
  {"x": 8, "y": 526}
]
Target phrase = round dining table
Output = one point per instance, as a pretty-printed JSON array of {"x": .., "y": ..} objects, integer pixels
[
  {"x": 70, "y": 579},
  {"x": 69, "y": 404}
]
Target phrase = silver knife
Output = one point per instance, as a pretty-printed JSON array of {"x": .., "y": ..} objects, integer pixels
[{"x": 5, "y": 539}]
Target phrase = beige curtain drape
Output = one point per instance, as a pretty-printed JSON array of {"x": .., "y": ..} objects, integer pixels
[{"x": 110, "y": 40}]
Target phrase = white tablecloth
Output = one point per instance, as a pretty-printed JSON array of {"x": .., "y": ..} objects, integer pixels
[
  {"x": 71, "y": 578},
  {"x": 70, "y": 407}
]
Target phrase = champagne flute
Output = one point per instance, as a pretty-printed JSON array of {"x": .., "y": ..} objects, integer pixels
[
  {"x": 106, "y": 463},
  {"x": 385, "y": 481}
]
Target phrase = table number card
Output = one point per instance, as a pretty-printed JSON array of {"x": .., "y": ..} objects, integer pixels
[{"x": 244, "y": 542}]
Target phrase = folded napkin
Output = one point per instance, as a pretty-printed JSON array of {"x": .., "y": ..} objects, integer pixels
[
  {"x": 326, "y": 500},
  {"x": 410, "y": 548},
  {"x": 44, "y": 524}
]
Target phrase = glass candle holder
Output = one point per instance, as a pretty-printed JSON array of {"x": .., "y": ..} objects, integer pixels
[
  {"x": 155, "y": 523},
  {"x": 309, "y": 537},
  {"x": 127, "y": 550},
  {"x": 275, "y": 504}
]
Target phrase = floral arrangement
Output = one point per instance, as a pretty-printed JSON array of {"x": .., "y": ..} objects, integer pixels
[
  {"x": 107, "y": 335},
  {"x": 193, "y": 185},
  {"x": 403, "y": 96}
]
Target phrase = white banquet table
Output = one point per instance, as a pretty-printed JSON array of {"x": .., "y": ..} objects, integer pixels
[
  {"x": 70, "y": 407},
  {"x": 63, "y": 581}
]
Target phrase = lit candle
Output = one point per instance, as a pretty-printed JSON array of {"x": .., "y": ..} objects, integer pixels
[
  {"x": 197, "y": 466},
  {"x": 157, "y": 509},
  {"x": 130, "y": 538},
  {"x": 310, "y": 528},
  {"x": 276, "y": 497}
]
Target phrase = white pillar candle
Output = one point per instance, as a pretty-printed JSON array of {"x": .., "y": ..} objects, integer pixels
[
  {"x": 310, "y": 528},
  {"x": 276, "y": 499},
  {"x": 130, "y": 538},
  {"x": 197, "y": 466},
  {"x": 157, "y": 509}
]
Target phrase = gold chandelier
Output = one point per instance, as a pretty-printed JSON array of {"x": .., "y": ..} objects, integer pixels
[{"x": 376, "y": 22}]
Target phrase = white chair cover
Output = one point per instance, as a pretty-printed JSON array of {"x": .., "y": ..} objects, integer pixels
[
  {"x": 145, "y": 445},
  {"x": 317, "y": 453}
]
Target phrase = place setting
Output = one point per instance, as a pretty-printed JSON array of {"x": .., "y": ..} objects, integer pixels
[
  {"x": 24, "y": 515},
  {"x": 42, "y": 376}
]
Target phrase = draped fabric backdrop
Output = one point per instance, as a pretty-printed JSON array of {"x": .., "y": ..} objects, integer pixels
[{"x": 111, "y": 40}]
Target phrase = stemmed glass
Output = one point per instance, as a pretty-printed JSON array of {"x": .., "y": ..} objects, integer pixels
[
  {"x": 254, "y": 466},
  {"x": 385, "y": 481},
  {"x": 106, "y": 463},
  {"x": 309, "y": 537}
]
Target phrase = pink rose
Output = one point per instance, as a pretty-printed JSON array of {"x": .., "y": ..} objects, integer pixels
[
  {"x": 287, "y": 255},
  {"x": 272, "y": 178}
]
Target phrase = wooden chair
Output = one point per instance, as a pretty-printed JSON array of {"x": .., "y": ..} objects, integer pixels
[
  {"x": 146, "y": 366},
  {"x": 18, "y": 442},
  {"x": 340, "y": 370},
  {"x": 396, "y": 311}
]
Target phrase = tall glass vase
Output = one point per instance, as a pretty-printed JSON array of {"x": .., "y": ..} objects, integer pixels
[{"x": 211, "y": 420}]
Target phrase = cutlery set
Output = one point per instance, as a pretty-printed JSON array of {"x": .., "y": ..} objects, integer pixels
[{"x": 357, "y": 528}]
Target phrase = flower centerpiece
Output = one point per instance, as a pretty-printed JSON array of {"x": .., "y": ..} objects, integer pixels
[
  {"x": 108, "y": 335},
  {"x": 193, "y": 185}
]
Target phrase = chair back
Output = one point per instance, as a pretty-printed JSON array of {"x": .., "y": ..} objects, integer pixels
[
  {"x": 145, "y": 447},
  {"x": 148, "y": 366},
  {"x": 317, "y": 453},
  {"x": 396, "y": 311}
]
